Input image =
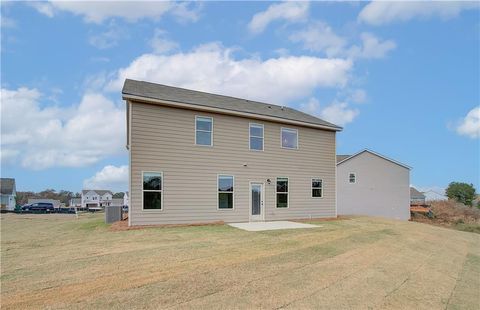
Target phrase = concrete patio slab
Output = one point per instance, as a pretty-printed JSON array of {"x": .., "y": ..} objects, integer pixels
[{"x": 275, "y": 225}]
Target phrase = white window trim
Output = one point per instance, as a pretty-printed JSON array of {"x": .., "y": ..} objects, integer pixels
[
  {"x": 161, "y": 190},
  {"x": 211, "y": 140},
  {"x": 250, "y": 125},
  {"x": 354, "y": 176},
  {"x": 288, "y": 192},
  {"x": 312, "y": 188},
  {"x": 233, "y": 192},
  {"x": 281, "y": 141}
]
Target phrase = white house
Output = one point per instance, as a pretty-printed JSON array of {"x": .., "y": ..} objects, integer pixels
[
  {"x": 371, "y": 184},
  {"x": 8, "y": 194},
  {"x": 96, "y": 199}
]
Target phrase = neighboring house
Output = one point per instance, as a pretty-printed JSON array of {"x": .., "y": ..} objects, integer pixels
[
  {"x": 416, "y": 197},
  {"x": 56, "y": 203},
  {"x": 432, "y": 195},
  {"x": 8, "y": 194},
  {"x": 75, "y": 202},
  {"x": 96, "y": 199},
  {"x": 371, "y": 184},
  {"x": 200, "y": 157}
]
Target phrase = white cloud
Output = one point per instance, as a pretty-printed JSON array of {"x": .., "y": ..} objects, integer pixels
[
  {"x": 288, "y": 11},
  {"x": 338, "y": 113},
  {"x": 110, "y": 177},
  {"x": 470, "y": 125},
  {"x": 38, "y": 136},
  {"x": 212, "y": 68},
  {"x": 371, "y": 47},
  {"x": 318, "y": 36},
  {"x": 99, "y": 11},
  {"x": 108, "y": 38},
  {"x": 383, "y": 12},
  {"x": 358, "y": 96},
  {"x": 160, "y": 43}
]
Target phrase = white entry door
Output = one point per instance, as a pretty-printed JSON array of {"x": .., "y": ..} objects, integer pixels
[{"x": 256, "y": 202}]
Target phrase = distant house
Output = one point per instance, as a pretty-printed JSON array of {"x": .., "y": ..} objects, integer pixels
[
  {"x": 75, "y": 202},
  {"x": 416, "y": 197},
  {"x": 432, "y": 195},
  {"x": 56, "y": 203},
  {"x": 96, "y": 199},
  {"x": 371, "y": 184},
  {"x": 8, "y": 194}
]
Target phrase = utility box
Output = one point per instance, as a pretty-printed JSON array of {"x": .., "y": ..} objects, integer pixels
[{"x": 113, "y": 214}]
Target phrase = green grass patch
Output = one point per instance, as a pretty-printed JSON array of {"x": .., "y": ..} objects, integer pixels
[{"x": 93, "y": 225}]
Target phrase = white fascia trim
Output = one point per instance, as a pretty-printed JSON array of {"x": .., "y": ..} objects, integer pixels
[{"x": 376, "y": 154}]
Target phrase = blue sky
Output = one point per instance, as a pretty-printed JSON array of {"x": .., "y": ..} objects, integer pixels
[{"x": 401, "y": 78}]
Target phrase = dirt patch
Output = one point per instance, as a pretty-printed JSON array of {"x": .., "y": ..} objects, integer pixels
[
  {"x": 453, "y": 215},
  {"x": 123, "y": 225}
]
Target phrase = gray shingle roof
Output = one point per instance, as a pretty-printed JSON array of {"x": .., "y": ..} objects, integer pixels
[
  {"x": 415, "y": 194},
  {"x": 100, "y": 192},
  {"x": 196, "y": 98},
  {"x": 342, "y": 157},
  {"x": 7, "y": 186}
]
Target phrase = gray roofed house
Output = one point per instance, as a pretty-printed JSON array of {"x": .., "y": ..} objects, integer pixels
[
  {"x": 196, "y": 157},
  {"x": 342, "y": 157},
  {"x": 8, "y": 194},
  {"x": 100, "y": 192},
  {"x": 140, "y": 90},
  {"x": 416, "y": 197}
]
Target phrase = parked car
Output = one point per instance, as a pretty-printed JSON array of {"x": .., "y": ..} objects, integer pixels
[{"x": 39, "y": 206}]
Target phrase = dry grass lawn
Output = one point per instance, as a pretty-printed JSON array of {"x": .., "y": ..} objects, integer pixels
[{"x": 57, "y": 261}]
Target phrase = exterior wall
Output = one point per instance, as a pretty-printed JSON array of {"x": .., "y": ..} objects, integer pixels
[
  {"x": 163, "y": 139},
  {"x": 7, "y": 202},
  {"x": 382, "y": 188},
  {"x": 417, "y": 201}
]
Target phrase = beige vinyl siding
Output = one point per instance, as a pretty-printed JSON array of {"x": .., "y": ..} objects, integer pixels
[{"x": 163, "y": 139}]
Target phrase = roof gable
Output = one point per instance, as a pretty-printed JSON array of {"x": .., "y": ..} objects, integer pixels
[
  {"x": 99, "y": 192},
  {"x": 373, "y": 153},
  {"x": 151, "y": 92},
  {"x": 415, "y": 194}
]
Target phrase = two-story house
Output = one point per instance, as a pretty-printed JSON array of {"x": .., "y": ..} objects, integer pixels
[
  {"x": 95, "y": 199},
  {"x": 201, "y": 157}
]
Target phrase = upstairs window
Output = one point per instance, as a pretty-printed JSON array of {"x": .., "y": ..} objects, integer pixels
[
  {"x": 317, "y": 188},
  {"x": 282, "y": 192},
  {"x": 225, "y": 191},
  {"x": 289, "y": 138},
  {"x": 152, "y": 190},
  {"x": 352, "y": 178},
  {"x": 203, "y": 130},
  {"x": 256, "y": 137}
]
